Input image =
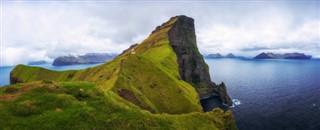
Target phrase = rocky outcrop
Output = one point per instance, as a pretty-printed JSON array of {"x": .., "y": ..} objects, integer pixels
[
  {"x": 83, "y": 59},
  {"x": 192, "y": 66},
  {"x": 221, "y": 89},
  {"x": 270, "y": 55},
  {"x": 165, "y": 73}
]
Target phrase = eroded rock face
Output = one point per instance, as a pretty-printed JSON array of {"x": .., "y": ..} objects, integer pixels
[
  {"x": 192, "y": 66},
  {"x": 14, "y": 80}
]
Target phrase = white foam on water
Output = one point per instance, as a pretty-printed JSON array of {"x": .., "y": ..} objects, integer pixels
[{"x": 235, "y": 102}]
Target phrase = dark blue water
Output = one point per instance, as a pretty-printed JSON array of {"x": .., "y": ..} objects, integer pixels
[
  {"x": 273, "y": 94},
  {"x": 5, "y": 71}
]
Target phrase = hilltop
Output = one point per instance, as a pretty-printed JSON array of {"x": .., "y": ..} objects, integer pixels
[{"x": 155, "y": 84}]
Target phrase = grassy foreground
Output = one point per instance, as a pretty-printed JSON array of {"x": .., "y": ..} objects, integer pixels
[{"x": 82, "y": 105}]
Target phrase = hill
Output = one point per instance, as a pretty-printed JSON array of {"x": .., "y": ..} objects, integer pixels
[{"x": 161, "y": 77}]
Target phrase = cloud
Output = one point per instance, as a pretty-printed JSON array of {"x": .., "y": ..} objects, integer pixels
[{"x": 45, "y": 30}]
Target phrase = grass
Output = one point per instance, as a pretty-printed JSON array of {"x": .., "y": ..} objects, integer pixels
[
  {"x": 152, "y": 74},
  {"x": 152, "y": 94},
  {"x": 61, "y": 107}
]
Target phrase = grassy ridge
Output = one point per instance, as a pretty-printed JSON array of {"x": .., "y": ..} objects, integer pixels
[
  {"x": 133, "y": 91},
  {"x": 151, "y": 75},
  {"x": 81, "y": 105}
]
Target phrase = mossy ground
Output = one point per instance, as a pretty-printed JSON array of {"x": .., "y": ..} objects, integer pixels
[{"x": 82, "y": 105}]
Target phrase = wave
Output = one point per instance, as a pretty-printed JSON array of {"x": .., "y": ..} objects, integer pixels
[{"x": 235, "y": 102}]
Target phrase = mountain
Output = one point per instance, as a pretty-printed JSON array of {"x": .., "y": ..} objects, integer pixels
[
  {"x": 88, "y": 58},
  {"x": 40, "y": 62},
  {"x": 218, "y": 55},
  {"x": 270, "y": 55},
  {"x": 230, "y": 55},
  {"x": 156, "y": 84}
]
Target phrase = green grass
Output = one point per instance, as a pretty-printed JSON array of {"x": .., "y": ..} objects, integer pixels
[
  {"x": 152, "y": 74},
  {"x": 37, "y": 109},
  {"x": 154, "y": 96}
]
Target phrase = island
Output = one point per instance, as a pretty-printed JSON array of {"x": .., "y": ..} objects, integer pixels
[
  {"x": 157, "y": 84},
  {"x": 40, "y": 62},
  {"x": 89, "y": 58},
  {"x": 270, "y": 55},
  {"x": 218, "y": 55}
]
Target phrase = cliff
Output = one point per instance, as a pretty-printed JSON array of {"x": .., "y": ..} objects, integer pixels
[
  {"x": 270, "y": 55},
  {"x": 165, "y": 73},
  {"x": 83, "y": 59}
]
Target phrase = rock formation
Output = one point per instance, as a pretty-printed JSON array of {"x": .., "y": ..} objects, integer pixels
[
  {"x": 165, "y": 73},
  {"x": 192, "y": 66}
]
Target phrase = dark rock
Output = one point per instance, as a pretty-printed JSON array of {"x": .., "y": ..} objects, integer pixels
[
  {"x": 192, "y": 67},
  {"x": 14, "y": 79},
  {"x": 221, "y": 89}
]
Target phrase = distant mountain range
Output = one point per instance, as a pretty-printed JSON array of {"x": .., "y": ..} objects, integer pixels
[
  {"x": 40, "y": 62},
  {"x": 88, "y": 58},
  {"x": 218, "y": 55},
  {"x": 270, "y": 55}
]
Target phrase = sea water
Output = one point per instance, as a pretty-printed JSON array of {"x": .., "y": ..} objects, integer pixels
[
  {"x": 270, "y": 94},
  {"x": 5, "y": 70},
  {"x": 267, "y": 94}
]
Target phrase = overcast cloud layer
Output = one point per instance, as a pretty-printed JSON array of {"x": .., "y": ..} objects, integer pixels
[{"x": 44, "y": 30}]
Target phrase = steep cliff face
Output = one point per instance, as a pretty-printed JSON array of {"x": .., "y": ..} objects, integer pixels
[
  {"x": 165, "y": 73},
  {"x": 192, "y": 67}
]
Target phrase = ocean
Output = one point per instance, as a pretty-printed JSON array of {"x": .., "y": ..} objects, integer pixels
[
  {"x": 5, "y": 70},
  {"x": 271, "y": 94},
  {"x": 268, "y": 94}
]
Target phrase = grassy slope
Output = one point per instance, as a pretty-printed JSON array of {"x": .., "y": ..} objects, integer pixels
[
  {"x": 81, "y": 105},
  {"x": 152, "y": 75}
]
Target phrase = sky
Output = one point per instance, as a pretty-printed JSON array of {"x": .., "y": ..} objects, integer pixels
[{"x": 43, "y": 30}]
